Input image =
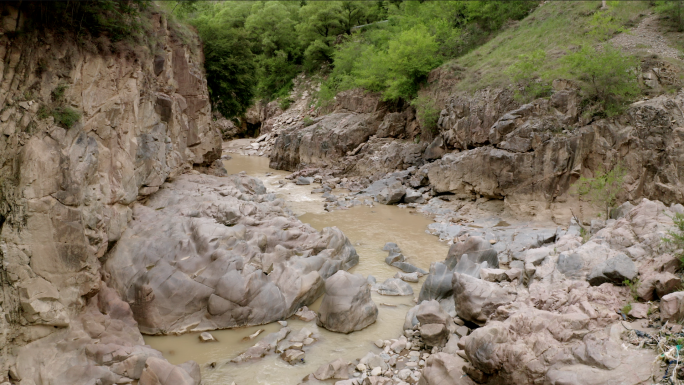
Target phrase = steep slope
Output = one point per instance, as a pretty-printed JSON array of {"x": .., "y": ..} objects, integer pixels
[{"x": 84, "y": 135}]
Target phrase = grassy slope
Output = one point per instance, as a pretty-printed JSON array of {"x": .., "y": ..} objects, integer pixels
[{"x": 555, "y": 27}]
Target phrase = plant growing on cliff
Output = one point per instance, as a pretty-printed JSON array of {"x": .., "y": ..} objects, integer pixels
[
  {"x": 602, "y": 189},
  {"x": 607, "y": 77},
  {"x": 427, "y": 113},
  {"x": 675, "y": 236},
  {"x": 66, "y": 116}
]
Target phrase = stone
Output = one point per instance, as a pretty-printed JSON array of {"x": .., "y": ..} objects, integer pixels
[
  {"x": 672, "y": 307},
  {"x": 338, "y": 370},
  {"x": 430, "y": 312},
  {"x": 413, "y": 196},
  {"x": 462, "y": 331},
  {"x": 434, "y": 334},
  {"x": 493, "y": 275},
  {"x": 282, "y": 323},
  {"x": 476, "y": 299},
  {"x": 570, "y": 264},
  {"x": 399, "y": 345},
  {"x": 639, "y": 310},
  {"x": 347, "y": 305},
  {"x": 408, "y": 277},
  {"x": 435, "y": 150},
  {"x": 305, "y": 314},
  {"x": 206, "y": 337},
  {"x": 478, "y": 250},
  {"x": 304, "y": 180},
  {"x": 437, "y": 285},
  {"x": 292, "y": 356},
  {"x": 392, "y": 194},
  {"x": 616, "y": 270},
  {"x": 467, "y": 266},
  {"x": 666, "y": 283},
  {"x": 394, "y": 286},
  {"x": 376, "y": 371},
  {"x": 443, "y": 368}
]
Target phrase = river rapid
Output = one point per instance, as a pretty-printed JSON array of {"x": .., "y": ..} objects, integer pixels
[{"x": 368, "y": 228}]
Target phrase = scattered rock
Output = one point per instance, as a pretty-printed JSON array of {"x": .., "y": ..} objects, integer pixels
[{"x": 206, "y": 337}]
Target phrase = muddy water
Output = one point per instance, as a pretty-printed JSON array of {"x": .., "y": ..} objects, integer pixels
[{"x": 369, "y": 228}]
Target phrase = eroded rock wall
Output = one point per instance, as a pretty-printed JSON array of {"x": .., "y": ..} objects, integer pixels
[{"x": 66, "y": 191}]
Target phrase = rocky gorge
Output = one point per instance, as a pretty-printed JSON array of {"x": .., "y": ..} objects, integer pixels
[{"x": 362, "y": 249}]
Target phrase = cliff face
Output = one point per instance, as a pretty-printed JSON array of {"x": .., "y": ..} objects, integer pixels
[{"x": 65, "y": 192}]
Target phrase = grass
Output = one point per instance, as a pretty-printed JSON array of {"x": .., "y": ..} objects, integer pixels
[{"x": 556, "y": 27}]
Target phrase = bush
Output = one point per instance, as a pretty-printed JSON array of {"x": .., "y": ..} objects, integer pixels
[
  {"x": 308, "y": 121},
  {"x": 427, "y": 113},
  {"x": 66, "y": 116},
  {"x": 608, "y": 78},
  {"x": 603, "y": 188},
  {"x": 675, "y": 237},
  {"x": 285, "y": 103}
]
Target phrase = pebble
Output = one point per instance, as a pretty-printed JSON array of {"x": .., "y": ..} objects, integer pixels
[
  {"x": 361, "y": 367},
  {"x": 282, "y": 323},
  {"x": 379, "y": 343},
  {"x": 376, "y": 371}
]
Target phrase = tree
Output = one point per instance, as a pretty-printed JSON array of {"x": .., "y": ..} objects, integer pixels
[{"x": 230, "y": 68}]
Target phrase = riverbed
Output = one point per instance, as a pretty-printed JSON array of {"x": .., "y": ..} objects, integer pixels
[{"x": 368, "y": 228}]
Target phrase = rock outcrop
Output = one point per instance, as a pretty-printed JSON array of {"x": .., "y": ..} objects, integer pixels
[
  {"x": 209, "y": 253},
  {"x": 67, "y": 188}
]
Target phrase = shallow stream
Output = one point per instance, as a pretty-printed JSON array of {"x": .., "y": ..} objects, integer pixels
[{"x": 368, "y": 228}]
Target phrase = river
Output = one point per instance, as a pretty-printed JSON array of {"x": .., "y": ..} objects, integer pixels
[{"x": 368, "y": 228}]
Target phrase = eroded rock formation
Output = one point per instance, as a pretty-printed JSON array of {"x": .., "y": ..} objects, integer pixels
[
  {"x": 67, "y": 189},
  {"x": 207, "y": 252}
]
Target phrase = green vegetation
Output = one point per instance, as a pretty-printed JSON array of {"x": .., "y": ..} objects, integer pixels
[
  {"x": 633, "y": 288},
  {"x": 63, "y": 114},
  {"x": 603, "y": 188},
  {"x": 675, "y": 237},
  {"x": 673, "y": 10},
  {"x": 608, "y": 78},
  {"x": 426, "y": 112},
  {"x": 626, "y": 309},
  {"x": 384, "y": 46}
]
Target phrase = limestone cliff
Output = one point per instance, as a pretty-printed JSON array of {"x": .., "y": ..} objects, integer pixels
[{"x": 66, "y": 187}]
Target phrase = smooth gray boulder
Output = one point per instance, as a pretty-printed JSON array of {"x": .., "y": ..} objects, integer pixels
[
  {"x": 478, "y": 249},
  {"x": 210, "y": 253},
  {"x": 413, "y": 196},
  {"x": 570, "y": 264},
  {"x": 437, "y": 284},
  {"x": 304, "y": 180},
  {"x": 615, "y": 270},
  {"x": 476, "y": 299},
  {"x": 392, "y": 194},
  {"x": 466, "y": 266},
  {"x": 347, "y": 305},
  {"x": 408, "y": 277},
  {"x": 408, "y": 268},
  {"x": 394, "y": 286}
]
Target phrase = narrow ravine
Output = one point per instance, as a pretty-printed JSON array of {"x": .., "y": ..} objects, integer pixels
[{"x": 369, "y": 228}]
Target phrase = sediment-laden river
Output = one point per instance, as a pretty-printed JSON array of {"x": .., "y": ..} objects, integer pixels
[{"x": 368, "y": 228}]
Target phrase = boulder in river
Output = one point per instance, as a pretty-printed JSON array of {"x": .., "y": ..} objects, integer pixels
[
  {"x": 209, "y": 253},
  {"x": 393, "y": 286},
  {"x": 347, "y": 305},
  {"x": 477, "y": 299}
]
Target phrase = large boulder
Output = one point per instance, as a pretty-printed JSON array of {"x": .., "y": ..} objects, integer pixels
[
  {"x": 476, "y": 299},
  {"x": 478, "y": 250},
  {"x": 615, "y": 270},
  {"x": 393, "y": 286},
  {"x": 672, "y": 307},
  {"x": 437, "y": 284},
  {"x": 392, "y": 194},
  {"x": 210, "y": 253},
  {"x": 347, "y": 305},
  {"x": 443, "y": 369}
]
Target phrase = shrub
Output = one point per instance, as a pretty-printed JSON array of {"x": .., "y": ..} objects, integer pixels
[
  {"x": 608, "y": 78},
  {"x": 285, "y": 103},
  {"x": 58, "y": 92},
  {"x": 308, "y": 121},
  {"x": 675, "y": 236},
  {"x": 66, "y": 116},
  {"x": 603, "y": 188},
  {"x": 427, "y": 113}
]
